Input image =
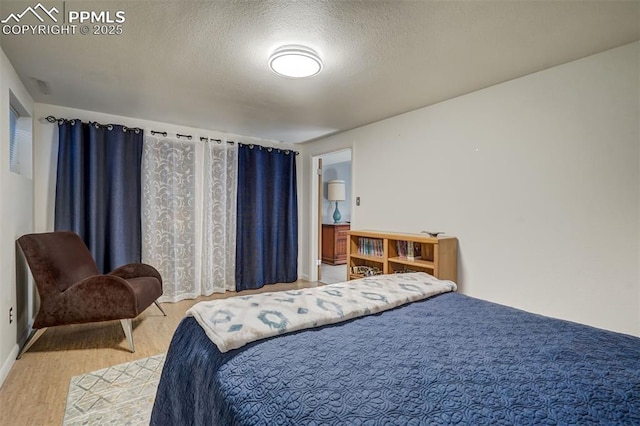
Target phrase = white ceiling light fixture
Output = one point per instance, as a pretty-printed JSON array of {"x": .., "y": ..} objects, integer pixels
[{"x": 295, "y": 61}]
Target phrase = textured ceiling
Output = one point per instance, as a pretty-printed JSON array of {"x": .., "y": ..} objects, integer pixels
[{"x": 204, "y": 64}]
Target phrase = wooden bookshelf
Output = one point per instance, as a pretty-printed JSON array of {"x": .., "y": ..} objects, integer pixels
[{"x": 437, "y": 255}]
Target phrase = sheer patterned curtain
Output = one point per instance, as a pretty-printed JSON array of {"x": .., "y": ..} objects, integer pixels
[
  {"x": 188, "y": 215},
  {"x": 169, "y": 220},
  {"x": 219, "y": 217}
]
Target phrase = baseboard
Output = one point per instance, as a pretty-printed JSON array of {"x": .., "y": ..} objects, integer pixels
[
  {"x": 8, "y": 363},
  {"x": 304, "y": 277},
  {"x": 25, "y": 334}
]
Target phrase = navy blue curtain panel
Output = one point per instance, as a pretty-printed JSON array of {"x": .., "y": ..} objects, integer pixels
[
  {"x": 98, "y": 189},
  {"x": 267, "y": 223}
]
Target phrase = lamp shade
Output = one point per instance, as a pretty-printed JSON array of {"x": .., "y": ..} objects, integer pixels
[{"x": 336, "y": 190}]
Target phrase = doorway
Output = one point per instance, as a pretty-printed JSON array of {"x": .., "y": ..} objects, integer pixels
[{"x": 329, "y": 229}]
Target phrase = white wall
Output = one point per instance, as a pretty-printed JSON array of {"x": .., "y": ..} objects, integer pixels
[
  {"x": 16, "y": 218},
  {"x": 538, "y": 177}
]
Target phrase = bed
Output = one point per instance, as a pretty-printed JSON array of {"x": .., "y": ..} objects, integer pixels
[{"x": 446, "y": 359}]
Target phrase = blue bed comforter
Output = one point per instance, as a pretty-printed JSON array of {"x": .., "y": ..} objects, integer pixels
[{"x": 448, "y": 359}]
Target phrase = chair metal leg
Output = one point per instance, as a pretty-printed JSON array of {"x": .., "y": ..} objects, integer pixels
[
  {"x": 126, "y": 327},
  {"x": 33, "y": 337},
  {"x": 160, "y": 307}
]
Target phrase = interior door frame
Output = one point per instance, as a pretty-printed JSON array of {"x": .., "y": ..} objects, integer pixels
[
  {"x": 318, "y": 197},
  {"x": 315, "y": 255}
]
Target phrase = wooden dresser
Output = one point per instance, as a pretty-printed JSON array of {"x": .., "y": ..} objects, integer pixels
[{"x": 334, "y": 243}]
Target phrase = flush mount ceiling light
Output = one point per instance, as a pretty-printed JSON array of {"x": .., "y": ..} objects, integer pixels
[{"x": 295, "y": 61}]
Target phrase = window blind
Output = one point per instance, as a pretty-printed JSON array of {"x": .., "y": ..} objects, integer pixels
[{"x": 13, "y": 140}]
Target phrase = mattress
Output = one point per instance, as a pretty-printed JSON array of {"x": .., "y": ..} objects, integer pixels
[{"x": 448, "y": 359}]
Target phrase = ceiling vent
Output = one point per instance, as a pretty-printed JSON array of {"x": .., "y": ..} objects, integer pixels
[{"x": 43, "y": 86}]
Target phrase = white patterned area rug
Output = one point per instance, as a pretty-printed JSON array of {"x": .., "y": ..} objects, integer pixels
[{"x": 118, "y": 395}]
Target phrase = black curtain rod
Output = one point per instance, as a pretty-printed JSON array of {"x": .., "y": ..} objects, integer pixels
[
  {"x": 219, "y": 141},
  {"x": 52, "y": 119},
  {"x": 268, "y": 148},
  {"x": 206, "y": 139},
  {"x": 178, "y": 135}
]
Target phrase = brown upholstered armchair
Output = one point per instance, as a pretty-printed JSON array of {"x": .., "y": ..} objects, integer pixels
[{"x": 72, "y": 291}]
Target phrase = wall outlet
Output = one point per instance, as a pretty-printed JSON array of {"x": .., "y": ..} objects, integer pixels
[{"x": 10, "y": 315}]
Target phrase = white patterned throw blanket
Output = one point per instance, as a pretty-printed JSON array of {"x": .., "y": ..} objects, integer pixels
[{"x": 233, "y": 322}]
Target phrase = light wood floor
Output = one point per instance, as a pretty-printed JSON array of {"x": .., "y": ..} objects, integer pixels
[{"x": 35, "y": 390}]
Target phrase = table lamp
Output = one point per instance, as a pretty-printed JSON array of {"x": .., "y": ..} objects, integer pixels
[{"x": 336, "y": 192}]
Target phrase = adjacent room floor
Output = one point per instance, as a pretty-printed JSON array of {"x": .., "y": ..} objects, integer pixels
[{"x": 331, "y": 274}]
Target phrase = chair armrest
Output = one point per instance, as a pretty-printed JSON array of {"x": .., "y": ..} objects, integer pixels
[
  {"x": 137, "y": 270},
  {"x": 98, "y": 298}
]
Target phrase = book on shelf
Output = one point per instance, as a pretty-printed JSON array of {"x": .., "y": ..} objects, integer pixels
[
  {"x": 409, "y": 250},
  {"x": 370, "y": 246},
  {"x": 410, "y": 253}
]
